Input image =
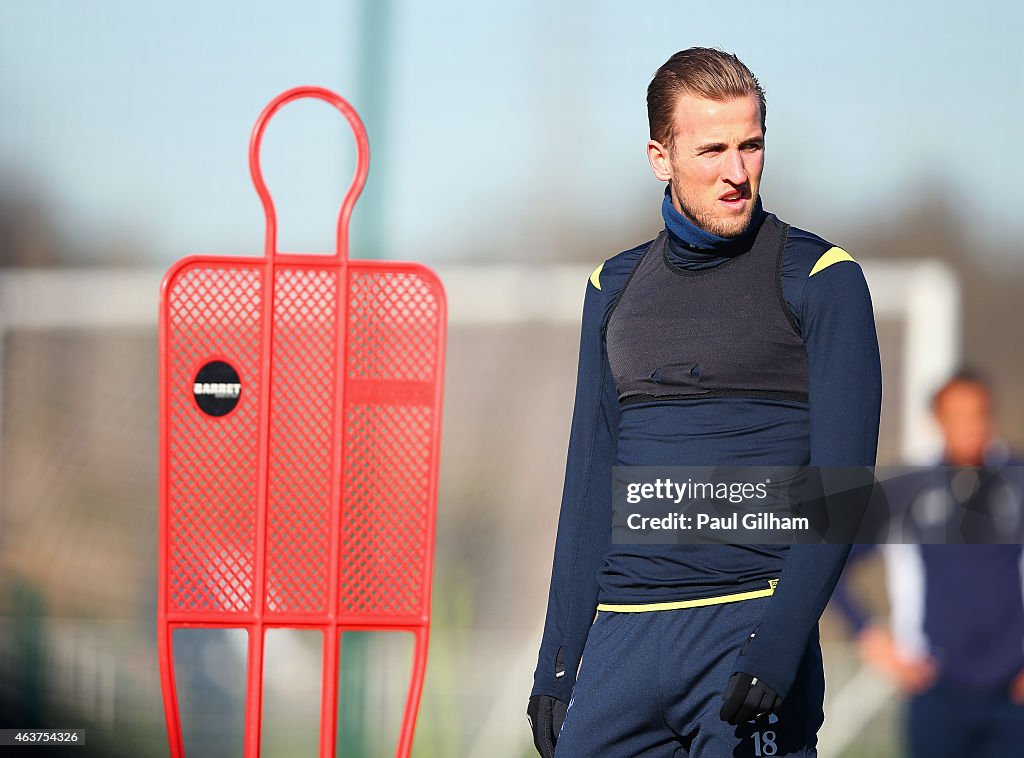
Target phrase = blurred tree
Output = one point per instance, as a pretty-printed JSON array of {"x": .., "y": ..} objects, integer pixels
[
  {"x": 936, "y": 228},
  {"x": 28, "y": 237},
  {"x": 31, "y": 235}
]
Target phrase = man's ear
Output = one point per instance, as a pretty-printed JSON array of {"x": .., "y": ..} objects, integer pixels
[{"x": 661, "y": 163}]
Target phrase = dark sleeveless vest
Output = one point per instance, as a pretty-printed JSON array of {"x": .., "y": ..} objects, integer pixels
[{"x": 723, "y": 331}]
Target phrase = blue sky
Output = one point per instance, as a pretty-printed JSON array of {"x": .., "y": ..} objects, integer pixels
[{"x": 132, "y": 119}]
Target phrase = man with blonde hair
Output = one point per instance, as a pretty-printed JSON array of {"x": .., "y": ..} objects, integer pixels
[{"x": 730, "y": 339}]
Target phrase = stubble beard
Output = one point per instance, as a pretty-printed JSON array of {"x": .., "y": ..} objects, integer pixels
[{"x": 709, "y": 222}]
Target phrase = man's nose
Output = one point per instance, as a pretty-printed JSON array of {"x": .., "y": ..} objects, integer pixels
[{"x": 733, "y": 169}]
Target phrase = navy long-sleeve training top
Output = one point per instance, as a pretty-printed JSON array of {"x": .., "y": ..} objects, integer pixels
[
  {"x": 825, "y": 291},
  {"x": 961, "y": 605}
]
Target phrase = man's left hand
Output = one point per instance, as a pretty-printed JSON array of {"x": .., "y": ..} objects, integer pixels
[{"x": 746, "y": 698}]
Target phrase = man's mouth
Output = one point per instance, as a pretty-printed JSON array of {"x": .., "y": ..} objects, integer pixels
[{"x": 733, "y": 199}]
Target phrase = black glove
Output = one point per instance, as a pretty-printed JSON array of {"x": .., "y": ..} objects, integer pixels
[
  {"x": 746, "y": 698},
  {"x": 545, "y": 715}
]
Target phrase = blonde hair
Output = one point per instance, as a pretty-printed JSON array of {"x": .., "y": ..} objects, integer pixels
[{"x": 701, "y": 71}]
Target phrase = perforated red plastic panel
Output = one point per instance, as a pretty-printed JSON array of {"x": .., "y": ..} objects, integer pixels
[
  {"x": 389, "y": 421},
  {"x": 212, "y": 311},
  {"x": 300, "y": 401},
  {"x": 302, "y": 448}
]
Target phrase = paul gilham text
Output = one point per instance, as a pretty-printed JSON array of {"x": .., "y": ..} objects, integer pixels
[{"x": 748, "y": 521}]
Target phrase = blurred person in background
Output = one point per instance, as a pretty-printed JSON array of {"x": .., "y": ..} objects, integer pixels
[
  {"x": 730, "y": 339},
  {"x": 957, "y": 645}
]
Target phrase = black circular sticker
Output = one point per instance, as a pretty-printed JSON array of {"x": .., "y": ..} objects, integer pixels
[{"x": 217, "y": 388}]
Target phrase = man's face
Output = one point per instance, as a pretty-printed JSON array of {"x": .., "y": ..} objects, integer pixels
[
  {"x": 964, "y": 413},
  {"x": 715, "y": 161}
]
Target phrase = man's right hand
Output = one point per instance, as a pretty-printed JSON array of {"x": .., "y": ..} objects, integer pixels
[
  {"x": 546, "y": 715},
  {"x": 878, "y": 648}
]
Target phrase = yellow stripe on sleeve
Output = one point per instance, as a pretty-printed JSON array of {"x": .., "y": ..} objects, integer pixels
[
  {"x": 595, "y": 278},
  {"x": 830, "y": 256}
]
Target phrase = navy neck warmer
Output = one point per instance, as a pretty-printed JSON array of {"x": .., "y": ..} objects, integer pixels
[{"x": 694, "y": 248}]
